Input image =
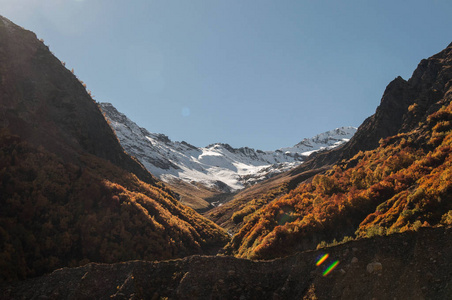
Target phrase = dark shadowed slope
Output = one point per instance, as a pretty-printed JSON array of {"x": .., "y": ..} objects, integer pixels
[
  {"x": 67, "y": 194},
  {"x": 413, "y": 265},
  {"x": 45, "y": 104}
]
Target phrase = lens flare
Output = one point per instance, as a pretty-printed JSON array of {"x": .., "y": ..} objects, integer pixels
[
  {"x": 185, "y": 111},
  {"x": 322, "y": 259},
  {"x": 330, "y": 268}
]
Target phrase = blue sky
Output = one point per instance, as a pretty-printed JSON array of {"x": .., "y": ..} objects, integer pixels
[{"x": 262, "y": 74}]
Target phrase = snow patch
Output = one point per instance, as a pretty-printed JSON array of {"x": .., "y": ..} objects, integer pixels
[{"x": 219, "y": 165}]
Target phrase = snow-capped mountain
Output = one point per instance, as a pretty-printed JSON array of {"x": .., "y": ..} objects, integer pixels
[{"x": 218, "y": 165}]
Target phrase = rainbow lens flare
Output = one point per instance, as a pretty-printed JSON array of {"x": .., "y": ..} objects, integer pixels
[
  {"x": 322, "y": 259},
  {"x": 330, "y": 268}
]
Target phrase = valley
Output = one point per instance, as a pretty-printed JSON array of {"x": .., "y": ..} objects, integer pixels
[
  {"x": 94, "y": 206},
  {"x": 200, "y": 173}
]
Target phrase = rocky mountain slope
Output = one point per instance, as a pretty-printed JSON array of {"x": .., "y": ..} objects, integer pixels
[
  {"x": 69, "y": 193},
  {"x": 404, "y": 105},
  {"x": 217, "y": 166},
  {"x": 412, "y": 265},
  {"x": 402, "y": 184}
]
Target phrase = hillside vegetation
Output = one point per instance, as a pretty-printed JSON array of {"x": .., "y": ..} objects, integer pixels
[
  {"x": 56, "y": 214},
  {"x": 403, "y": 184},
  {"x": 69, "y": 194}
]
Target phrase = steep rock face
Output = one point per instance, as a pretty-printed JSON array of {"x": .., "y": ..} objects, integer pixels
[
  {"x": 41, "y": 101},
  {"x": 403, "y": 105},
  {"x": 431, "y": 81},
  {"x": 218, "y": 166},
  {"x": 386, "y": 121},
  {"x": 420, "y": 93}
]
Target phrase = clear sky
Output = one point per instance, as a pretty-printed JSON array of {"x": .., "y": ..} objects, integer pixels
[{"x": 262, "y": 74}]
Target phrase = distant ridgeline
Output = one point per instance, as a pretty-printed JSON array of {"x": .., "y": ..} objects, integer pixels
[{"x": 217, "y": 166}]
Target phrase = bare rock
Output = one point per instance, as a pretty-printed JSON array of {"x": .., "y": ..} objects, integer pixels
[{"x": 374, "y": 267}]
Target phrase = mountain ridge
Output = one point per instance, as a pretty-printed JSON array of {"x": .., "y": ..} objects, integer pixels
[{"x": 217, "y": 165}]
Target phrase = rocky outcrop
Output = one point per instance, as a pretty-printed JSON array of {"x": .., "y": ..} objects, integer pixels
[
  {"x": 386, "y": 121},
  {"x": 412, "y": 265},
  {"x": 403, "y": 105}
]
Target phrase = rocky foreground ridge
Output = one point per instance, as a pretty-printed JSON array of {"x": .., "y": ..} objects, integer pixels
[{"x": 412, "y": 265}]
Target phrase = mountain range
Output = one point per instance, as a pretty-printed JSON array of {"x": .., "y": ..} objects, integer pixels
[{"x": 217, "y": 166}]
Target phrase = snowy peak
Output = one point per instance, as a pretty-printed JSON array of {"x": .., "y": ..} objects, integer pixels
[
  {"x": 330, "y": 137},
  {"x": 219, "y": 165},
  {"x": 324, "y": 141}
]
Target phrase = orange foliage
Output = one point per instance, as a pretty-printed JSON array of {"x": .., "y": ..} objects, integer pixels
[
  {"x": 403, "y": 184},
  {"x": 56, "y": 215}
]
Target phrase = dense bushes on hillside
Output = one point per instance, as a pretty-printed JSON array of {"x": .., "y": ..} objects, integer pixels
[
  {"x": 67, "y": 193},
  {"x": 402, "y": 185},
  {"x": 253, "y": 205},
  {"x": 56, "y": 214}
]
